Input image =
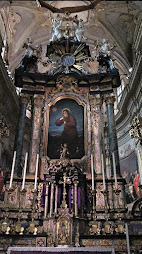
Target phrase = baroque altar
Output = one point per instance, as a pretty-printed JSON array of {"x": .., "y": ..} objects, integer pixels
[{"x": 69, "y": 191}]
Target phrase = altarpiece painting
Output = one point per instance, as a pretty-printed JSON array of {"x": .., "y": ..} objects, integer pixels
[{"x": 66, "y": 127}]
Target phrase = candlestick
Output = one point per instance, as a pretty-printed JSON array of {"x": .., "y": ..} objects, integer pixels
[
  {"x": 24, "y": 174},
  {"x": 103, "y": 172},
  {"x": 127, "y": 238},
  {"x": 35, "y": 185},
  {"x": 114, "y": 170},
  {"x": 12, "y": 171},
  {"x": 92, "y": 171}
]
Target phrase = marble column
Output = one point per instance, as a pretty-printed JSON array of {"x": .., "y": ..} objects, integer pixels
[
  {"x": 51, "y": 199},
  {"x": 38, "y": 105},
  {"x": 113, "y": 145},
  {"x": 97, "y": 131},
  {"x": 24, "y": 99}
]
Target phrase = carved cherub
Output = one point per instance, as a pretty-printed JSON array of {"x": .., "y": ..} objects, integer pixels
[{"x": 64, "y": 151}]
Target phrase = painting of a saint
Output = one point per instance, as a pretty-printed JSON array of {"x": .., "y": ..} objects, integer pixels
[
  {"x": 66, "y": 126},
  {"x": 129, "y": 171}
]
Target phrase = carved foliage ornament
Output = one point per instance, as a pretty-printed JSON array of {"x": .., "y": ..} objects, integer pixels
[
  {"x": 136, "y": 128},
  {"x": 66, "y": 84}
]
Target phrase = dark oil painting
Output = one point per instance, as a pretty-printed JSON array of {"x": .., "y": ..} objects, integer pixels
[{"x": 66, "y": 126}]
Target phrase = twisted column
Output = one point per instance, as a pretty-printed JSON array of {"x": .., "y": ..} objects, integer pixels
[
  {"x": 38, "y": 105},
  {"x": 24, "y": 100},
  {"x": 113, "y": 145}
]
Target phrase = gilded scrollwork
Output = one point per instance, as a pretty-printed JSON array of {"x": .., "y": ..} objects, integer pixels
[{"x": 66, "y": 84}]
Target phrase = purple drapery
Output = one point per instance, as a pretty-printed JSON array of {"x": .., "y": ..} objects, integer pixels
[
  {"x": 59, "y": 196},
  {"x": 69, "y": 199},
  {"x": 42, "y": 201},
  {"x": 79, "y": 196}
]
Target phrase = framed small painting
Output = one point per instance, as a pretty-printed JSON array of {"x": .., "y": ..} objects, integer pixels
[{"x": 66, "y": 126}]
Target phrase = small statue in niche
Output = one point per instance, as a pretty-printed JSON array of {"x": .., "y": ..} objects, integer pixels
[
  {"x": 79, "y": 32},
  {"x": 64, "y": 153},
  {"x": 56, "y": 28}
]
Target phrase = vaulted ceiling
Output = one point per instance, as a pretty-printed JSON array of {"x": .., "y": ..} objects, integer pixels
[{"x": 114, "y": 20}]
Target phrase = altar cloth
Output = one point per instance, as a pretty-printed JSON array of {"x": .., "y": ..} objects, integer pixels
[{"x": 59, "y": 250}]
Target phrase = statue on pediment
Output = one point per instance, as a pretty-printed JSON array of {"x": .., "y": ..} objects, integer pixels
[
  {"x": 56, "y": 28},
  {"x": 79, "y": 32}
]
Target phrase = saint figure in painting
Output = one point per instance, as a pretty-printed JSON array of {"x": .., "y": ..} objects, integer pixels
[{"x": 69, "y": 135}]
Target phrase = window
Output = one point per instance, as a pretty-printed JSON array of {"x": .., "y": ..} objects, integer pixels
[{"x": 120, "y": 90}]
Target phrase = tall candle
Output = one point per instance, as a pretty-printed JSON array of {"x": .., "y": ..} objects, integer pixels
[
  {"x": 114, "y": 170},
  {"x": 12, "y": 171},
  {"x": 92, "y": 171},
  {"x": 35, "y": 185},
  {"x": 103, "y": 171},
  {"x": 24, "y": 173}
]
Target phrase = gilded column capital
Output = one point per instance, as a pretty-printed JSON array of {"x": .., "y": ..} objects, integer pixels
[
  {"x": 39, "y": 99},
  {"x": 25, "y": 98},
  {"x": 110, "y": 98}
]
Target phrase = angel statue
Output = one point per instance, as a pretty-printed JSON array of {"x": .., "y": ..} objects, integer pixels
[
  {"x": 79, "y": 32},
  {"x": 56, "y": 28},
  {"x": 105, "y": 48},
  {"x": 31, "y": 56},
  {"x": 30, "y": 49},
  {"x": 104, "y": 57}
]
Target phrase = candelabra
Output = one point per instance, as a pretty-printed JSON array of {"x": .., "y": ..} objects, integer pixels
[
  {"x": 105, "y": 193},
  {"x": 117, "y": 192},
  {"x": 94, "y": 207}
]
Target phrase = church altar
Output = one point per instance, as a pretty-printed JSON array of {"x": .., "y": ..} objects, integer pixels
[{"x": 70, "y": 192}]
